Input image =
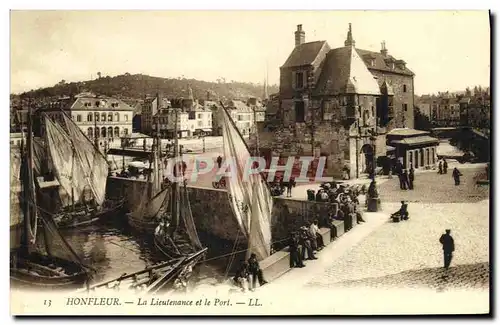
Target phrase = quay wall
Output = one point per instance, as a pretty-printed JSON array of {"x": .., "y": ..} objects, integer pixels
[{"x": 213, "y": 214}]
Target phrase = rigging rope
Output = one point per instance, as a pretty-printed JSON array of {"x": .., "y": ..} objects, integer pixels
[{"x": 232, "y": 254}]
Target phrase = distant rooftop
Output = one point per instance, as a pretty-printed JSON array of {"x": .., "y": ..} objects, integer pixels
[{"x": 406, "y": 132}]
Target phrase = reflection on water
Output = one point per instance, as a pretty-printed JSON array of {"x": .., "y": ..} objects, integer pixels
[{"x": 114, "y": 250}]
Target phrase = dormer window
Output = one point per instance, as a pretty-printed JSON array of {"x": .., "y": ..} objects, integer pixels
[{"x": 372, "y": 62}]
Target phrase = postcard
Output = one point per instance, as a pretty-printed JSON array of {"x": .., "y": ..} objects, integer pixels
[{"x": 250, "y": 162}]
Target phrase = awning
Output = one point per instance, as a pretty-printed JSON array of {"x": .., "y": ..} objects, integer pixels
[{"x": 389, "y": 148}]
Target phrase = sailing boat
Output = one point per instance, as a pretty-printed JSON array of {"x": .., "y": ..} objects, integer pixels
[
  {"x": 176, "y": 235},
  {"x": 56, "y": 265},
  {"x": 249, "y": 195},
  {"x": 152, "y": 206},
  {"x": 82, "y": 178}
]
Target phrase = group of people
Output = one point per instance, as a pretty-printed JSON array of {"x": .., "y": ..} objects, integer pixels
[
  {"x": 443, "y": 169},
  {"x": 249, "y": 273},
  {"x": 304, "y": 244},
  {"x": 406, "y": 176}
]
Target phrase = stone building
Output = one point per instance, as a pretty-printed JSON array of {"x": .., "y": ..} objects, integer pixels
[
  {"x": 105, "y": 118},
  {"x": 338, "y": 103}
]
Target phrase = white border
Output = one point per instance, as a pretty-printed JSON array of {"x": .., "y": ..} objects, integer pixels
[{"x": 200, "y": 4}]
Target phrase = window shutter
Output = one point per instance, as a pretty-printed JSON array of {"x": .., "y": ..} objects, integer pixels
[{"x": 294, "y": 78}]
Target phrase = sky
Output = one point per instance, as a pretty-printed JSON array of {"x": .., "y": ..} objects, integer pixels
[{"x": 447, "y": 50}]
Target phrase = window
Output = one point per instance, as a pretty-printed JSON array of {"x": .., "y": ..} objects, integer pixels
[
  {"x": 299, "y": 112},
  {"x": 126, "y": 117},
  {"x": 192, "y": 115},
  {"x": 78, "y": 118},
  {"x": 96, "y": 132},
  {"x": 97, "y": 103},
  {"x": 90, "y": 132},
  {"x": 373, "y": 111},
  {"x": 117, "y": 132},
  {"x": 89, "y": 117},
  {"x": 199, "y": 116},
  {"x": 299, "y": 80},
  {"x": 110, "y": 117},
  {"x": 125, "y": 130},
  {"x": 110, "y": 132},
  {"x": 97, "y": 117},
  {"x": 103, "y": 117},
  {"x": 404, "y": 88},
  {"x": 103, "y": 132},
  {"x": 200, "y": 123},
  {"x": 117, "y": 117},
  {"x": 405, "y": 107}
]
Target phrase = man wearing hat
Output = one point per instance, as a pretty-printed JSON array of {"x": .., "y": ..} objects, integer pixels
[
  {"x": 448, "y": 247},
  {"x": 255, "y": 271}
]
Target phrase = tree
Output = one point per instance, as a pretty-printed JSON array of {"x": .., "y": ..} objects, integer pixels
[
  {"x": 421, "y": 121},
  {"x": 99, "y": 75}
]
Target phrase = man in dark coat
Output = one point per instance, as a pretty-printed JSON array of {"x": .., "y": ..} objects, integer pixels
[
  {"x": 402, "y": 212},
  {"x": 255, "y": 271},
  {"x": 219, "y": 162},
  {"x": 404, "y": 179},
  {"x": 440, "y": 167},
  {"x": 306, "y": 245},
  {"x": 445, "y": 166},
  {"x": 448, "y": 247},
  {"x": 411, "y": 178},
  {"x": 295, "y": 256},
  {"x": 456, "y": 175}
]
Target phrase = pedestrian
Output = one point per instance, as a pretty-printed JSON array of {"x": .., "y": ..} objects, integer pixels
[
  {"x": 456, "y": 175},
  {"x": 404, "y": 178},
  {"x": 440, "y": 167},
  {"x": 241, "y": 276},
  {"x": 219, "y": 161},
  {"x": 402, "y": 213},
  {"x": 315, "y": 235},
  {"x": 295, "y": 255},
  {"x": 401, "y": 183},
  {"x": 289, "y": 185},
  {"x": 306, "y": 245},
  {"x": 411, "y": 178},
  {"x": 448, "y": 247},
  {"x": 445, "y": 166},
  {"x": 144, "y": 144},
  {"x": 255, "y": 271}
]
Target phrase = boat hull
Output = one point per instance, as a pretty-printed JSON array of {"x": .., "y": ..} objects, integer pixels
[
  {"x": 99, "y": 216},
  {"x": 33, "y": 272},
  {"x": 141, "y": 225}
]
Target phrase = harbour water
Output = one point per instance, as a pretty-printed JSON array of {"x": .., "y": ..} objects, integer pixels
[{"x": 115, "y": 249}]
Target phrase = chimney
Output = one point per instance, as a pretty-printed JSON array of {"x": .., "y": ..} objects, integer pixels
[
  {"x": 300, "y": 36},
  {"x": 384, "y": 49}
]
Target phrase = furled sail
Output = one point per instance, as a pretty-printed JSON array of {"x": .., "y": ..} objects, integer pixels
[
  {"x": 62, "y": 155},
  {"x": 92, "y": 163},
  {"x": 187, "y": 220},
  {"x": 249, "y": 196}
]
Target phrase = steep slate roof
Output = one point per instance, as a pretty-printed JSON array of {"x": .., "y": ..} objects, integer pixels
[
  {"x": 304, "y": 54},
  {"x": 345, "y": 72},
  {"x": 104, "y": 103},
  {"x": 380, "y": 62}
]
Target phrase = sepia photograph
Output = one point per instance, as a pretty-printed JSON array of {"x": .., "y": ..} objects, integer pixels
[{"x": 321, "y": 162}]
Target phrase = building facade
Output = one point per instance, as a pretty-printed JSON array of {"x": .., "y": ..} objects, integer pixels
[
  {"x": 338, "y": 103},
  {"x": 99, "y": 117},
  {"x": 414, "y": 148}
]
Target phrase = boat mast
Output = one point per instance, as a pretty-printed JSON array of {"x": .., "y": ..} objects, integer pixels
[
  {"x": 174, "y": 203},
  {"x": 29, "y": 184}
]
